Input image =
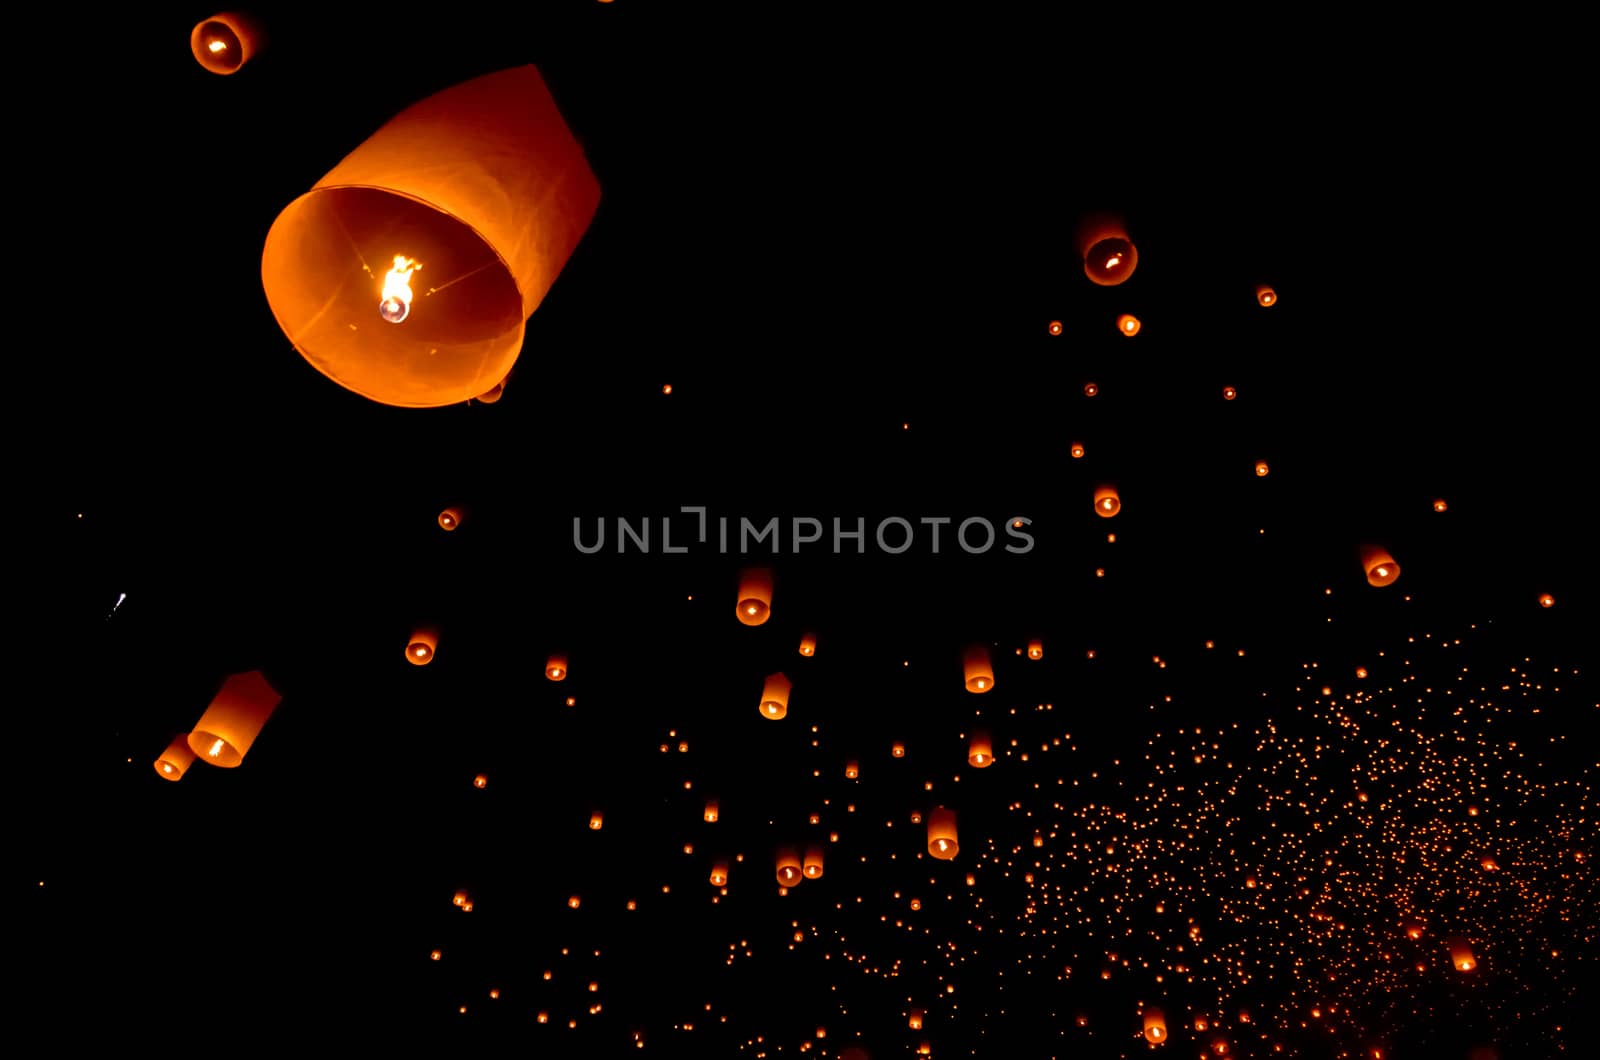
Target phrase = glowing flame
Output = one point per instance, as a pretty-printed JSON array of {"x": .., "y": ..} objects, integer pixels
[
  {"x": 395, "y": 302},
  {"x": 218, "y": 46},
  {"x": 216, "y": 749}
]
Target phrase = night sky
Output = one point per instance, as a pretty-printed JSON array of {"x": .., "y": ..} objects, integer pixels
[{"x": 820, "y": 285}]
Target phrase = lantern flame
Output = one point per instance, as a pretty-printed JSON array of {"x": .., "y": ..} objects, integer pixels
[
  {"x": 216, "y": 749},
  {"x": 395, "y": 303},
  {"x": 217, "y": 46}
]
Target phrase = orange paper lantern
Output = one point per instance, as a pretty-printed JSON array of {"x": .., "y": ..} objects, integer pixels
[
  {"x": 980, "y": 752},
  {"x": 1109, "y": 256},
  {"x": 812, "y": 867},
  {"x": 978, "y": 670},
  {"x": 451, "y": 518},
  {"x": 175, "y": 760},
  {"x": 1106, "y": 502},
  {"x": 555, "y": 668},
  {"x": 852, "y": 770},
  {"x": 1035, "y": 649},
  {"x": 808, "y": 644},
  {"x": 1077, "y": 450},
  {"x": 755, "y": 596},
  {"x": 711, "y": 811},
  {"x": 1546, "y": 600},
  {"x": 942, "y": 834},
  {"x": 719, "y": 874},
  {"x": 1266, "y": 295},
  {"x": 1155, "y": 1026},
  {"x": 408, "y": 273},
  {"x": 789, "y": 870},
  {"x": 422, "y": 646},
  {"x": 224, "y": 733},
  {"x": 1128, "y": 324},
  {"x": 775, "y": 697},
  {"x": 223, "y": 43},
  {"x": 1380, "y": 566},
  {"x": 1461, "y": 956}
]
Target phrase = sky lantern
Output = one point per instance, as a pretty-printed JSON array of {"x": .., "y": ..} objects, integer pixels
[
  {"x": 555, "y": 668},
  {"x": 980, "y": 751},
  {"x": 942, "y": 834},
  {"x": 916, "y": 1019},
  {"x": 408, "y": 273},
  {"x": 1106, "y": 502},
  {"x": 421, "y": 647},
  {"x": 852, "y": 770},
  {"x": 1155, "y": 1026},
  {"x": 897, "y": 749},
  {"x": 719, "y": 874},
  {"x": 755, "y": 596},
  {"x": 711, "y": 811},
  {"x": 808, "y": 644},
  {"x": 1546, "y": 600},
  {"x": 789, "y": 870},
  {"x": 812, "y": 866},
  {"x": 1055, "y": 327},
  {"x": 775, "y": 697},
  {"x": 175, "y": 760},
  {"x": 978, "y": 670},
  {"x": 1036, "y": 649},
  {"x": 1076, "y": 450},
  {"x": 597, "y": 821},
  {"x": 1439, "y": 505},
  {"x": 223, "y": 43},
  {"x": 1128, "y": 324},
  {"x": 1461, "y": 955},
  {"x": 1109, "y": 256},
  {"x": 1266, "y": 295},
  {"x": 1229, "y": 393},
  {"x": 1261, "y": 469},
  {"x": 224, "y": 733},
  {"x": 1380, "y": 566},
  {"x": 450, "y": 518}
]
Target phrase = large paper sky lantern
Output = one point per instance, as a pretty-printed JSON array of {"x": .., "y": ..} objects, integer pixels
[
  {"x": 223, "y": 43},
  {"x": 1109, "y": 256},
  {"x": 224, "y": 733},
  {"x": 408, "y": 273}
]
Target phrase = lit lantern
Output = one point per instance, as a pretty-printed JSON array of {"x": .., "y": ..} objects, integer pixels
[
  {"x": 808, "y": 644},
  {"x": 1109, "y": 256},
  {"x": 1219, "y": 1046},
  {"x": 1261, "y": 469},
  {"x": 942, "y": 834},
  {"x": 597, "y": 820},
  {"x": 1380, "y": 566},
  {"x": 719, "y": 874},
  {"x": 1546, "y": 600},
  {"x": 1461, "y": 955},
  {"x": 1038, "y": 838},
  {"x": 755, "y": 596},
  {"x": 421, "y": 647},
  {"x": 852, "y": 770},
  {"x": 977, "y": 668},
  {"x": 1106, "y": 502},
  {"x": 1128, "y": 324},
  {"x": 450, "y": 518},
  {"x": 480, "y": 781},
  {"x": 980, "y": 752},
  {"x": 1055, "y": 327},
  {"x": 916, "y": 1019},
  {"x": 1229, "y": 393},
  {"x": 477, "y": 196},
  {"x": 460, "y": 899},
  {"x": 555, "y": 668},
  {"x": 1440, "y": 506},
  {"x": 225, "y": 42},
  {"x": 812, "y": 866},
  {"x": 175, "y": 760},
  {"x": 711, "y": 811},
  {"x": 575, "y": 901},
  {"x": 1091, "y": 389},
  {"x": 789, "y": 871},
  {"x": 224, "y": 733},
  {"x": 1077, "y": 450},
  {"x": 775, "y": 697},
  {"x": 1155, "y": 1026},
  {"x": 1266, "y": 295},
  {"x": 1413, "y": 929},
  {"x": 898, "y": 750},
  {"x": 1201, "y": 1024}
]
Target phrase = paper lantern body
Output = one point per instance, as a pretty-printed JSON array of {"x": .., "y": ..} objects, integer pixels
[
  {"x": 421, "y": 647},
  {"x": 450, "y": 518},
  {"x": 1380, "y": 567},
  {"x": 1155, "y": 1026},
  {"x": 482, "y": 185},
  {"x": 942, "y": 834},
  {"x": 775, "y": 697},
  {"x": 1109, "y": 256},
  {"x": 755, "y": 596},
  {"x": 977, "y": 669},
  {"x": 1107, "y": 502},
  {"x": 223, "y": 43},
  {"x": 224, "y": 733},
  {"x": 980, "y": 752},
  {"x": 176, "y": 759}
]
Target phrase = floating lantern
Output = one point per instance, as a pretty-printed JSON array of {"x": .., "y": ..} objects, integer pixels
[
  {"x": 711, "y": 811},
  {"x": 1106, "y": 502},
  {"x": 451, "y": 518},
  {"x": 942, "y": 834},
  {"x": 176, "y": 759},
  {"x": 597, "y": 821},
  {"x": 224, "y": 733},
  {"x": 1261, "y": 469},
  {"x": 1155, "y": 1026},
  {"x": 1077, "y": 450},
  {"x": 1266, "y": 295},
  {"x": 555, "y": 668},
  {"x": 979, "y": 671},
  {"x": 1128, "y": 324},
  {"x": 916, "y": 1019},
  {"x": 460, "y": 899},
  {"x": 1380, "y": 566},
  {"x": 980, "y": 751},
  {"x": 852, "y": 770},
  {"x": 775, "y": 697},
  {"x": 1035, "y": 649},
  {"x": 1440, "y": 506},
  {"x": 476, "y": 197},
  {"x": 1229, "y": 393},
  {"x": 812, "y": 866},
  {"x": 480, "y": 781},
  {"x": 1091, "y": 389},
  {"x": 1055, "y": 327},
  {"x": 789, "y": 871},
  {"x": 808, "y": 644},
  {"x": 719, "y": 874},
  {"x": 755, "y": 596},
  {"x": 897, "y": 750},
  {"x": 1546, "y": 600},
  {"x": 1461, "y": 955},
  {"x": 420, "y": 649},
  {"x": 1109, "y": 256},
  {"x": 223, "y": 43}
]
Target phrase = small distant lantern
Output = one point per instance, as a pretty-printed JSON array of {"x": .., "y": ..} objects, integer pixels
[
  {"x": 1091, "y": 389},
  {"x": 789, "y": 870},
  {"x": 1261, "y": 469},
  {"x": 1380, "y": 566},
  {"x": 480, "y": 781},
  {"x": 852, "y": 770},
  {"x": 451, "y": 518},
  {"x": 808, "y": 644},
  {"x": 1128, "y": 324},
  {"x": 812, "y": 866},
  {"x": 596, "y": 821},
  {"x": 1440, "y": 506},
  {"x": 1461, "y": 955},
  {"x": 460, "y": 899},
  {"x": 223, "y": 43},
  {"x": 1035, "y": 649},
  {"x": 1266, "y": 295},
  {"x": 980, "y": 751},
  {"x": 1077, "y": 450},
  {"x": 916, "y": 1019},
  {"x": 224, "y": 733},
  {"x": 1229, "y": 393},
  {"x": 1038, "y": 838},
  {"x": 1055, "y": 327},
  {"x": 755, "y": 596},
  {"x": 422, "y": 646},
  {"x": 898, "y": 749},
  {"x": 1546, "y": 600},
  {"x": 176, "y": 759},
  {"x": 1361, "y": 672},
  {"x": 1106, "y": 502},
  {"x": 775, "y": 697},
  {"x": 719, "y": 874},
  {"x": 942, "y": 834},
  {"x": 574, "y": 902},
  {"x": 1155, "y": 1026},
  {"x": 555, "y": 668},
  {"x": 1109, "y": 256},
  {"x": 711, "y": 811}
]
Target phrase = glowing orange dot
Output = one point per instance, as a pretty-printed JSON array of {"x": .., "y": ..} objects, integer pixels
[
  {"x": 1077, "y": 450},
  {"x": 1055, "y": 327},
  {"x": 1546, "y": 600},
  {"x": 1266, "y": 295},
  {"x": 1090, "y": 390},
  {"x": 1439, "y": 505},
  {"x": 1229, "y": 393},
  {"x": 1261, "y": 469},
  {"x": 480, "y": 781},
  {"x": 667, "y": 388},
  {"x": 1128, "y": 324}
]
